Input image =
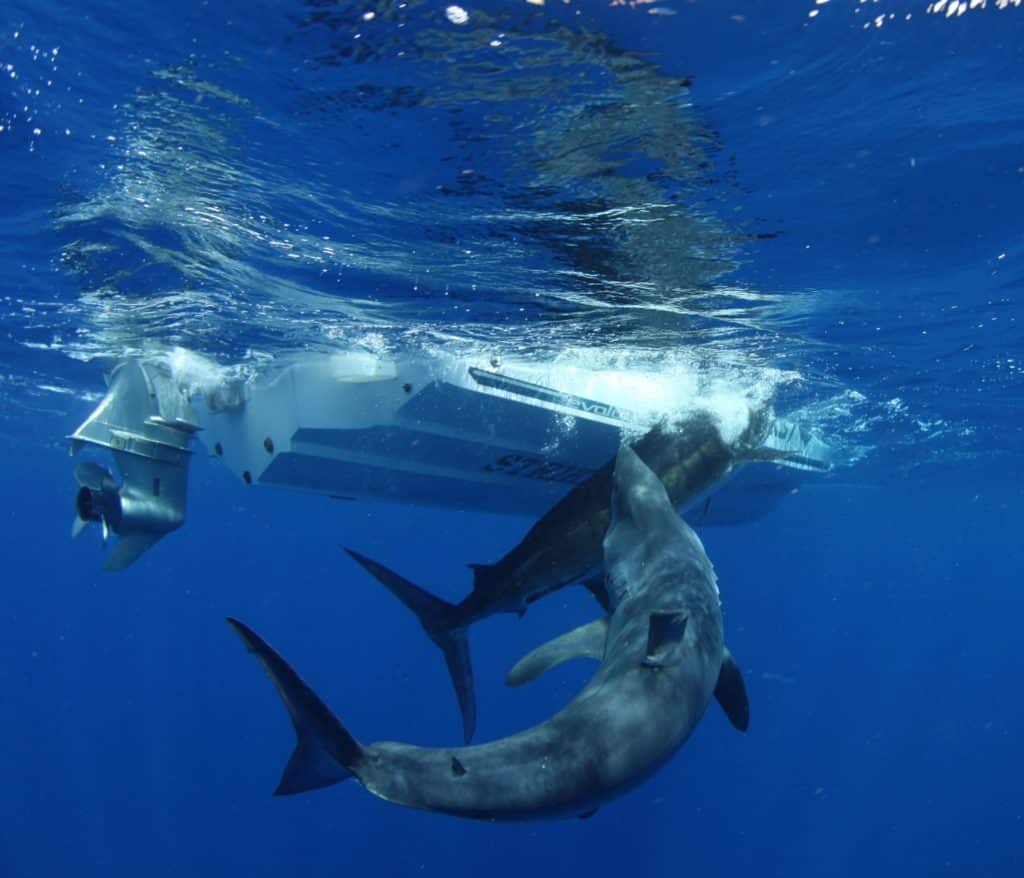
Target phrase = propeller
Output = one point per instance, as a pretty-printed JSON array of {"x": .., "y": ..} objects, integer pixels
[{"x": 97, "y": 497}]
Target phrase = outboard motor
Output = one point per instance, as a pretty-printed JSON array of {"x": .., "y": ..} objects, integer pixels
[{"x": 146, "y": 422}]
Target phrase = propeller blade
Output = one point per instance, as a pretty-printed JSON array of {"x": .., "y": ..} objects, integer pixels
[
  {"x": 106, "y": 530},
  {"x": 91, "y": 475},
  {"x": 77, "y": 526}
]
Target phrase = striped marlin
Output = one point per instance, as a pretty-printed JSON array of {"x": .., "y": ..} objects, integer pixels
[{"x": 689, "y": 456}]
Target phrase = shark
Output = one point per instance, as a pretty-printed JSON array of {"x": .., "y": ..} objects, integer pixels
[
  {"x": 689, "y": 456},
  {"x": 663, "y": 658}
]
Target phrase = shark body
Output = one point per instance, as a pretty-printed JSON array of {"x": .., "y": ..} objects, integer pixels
[{"x": 663, "y": 659}]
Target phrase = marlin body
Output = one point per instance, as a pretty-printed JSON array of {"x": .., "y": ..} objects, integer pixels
[
  {"x": 689, "y": 457},
  {"x": 663, "y": 659}
]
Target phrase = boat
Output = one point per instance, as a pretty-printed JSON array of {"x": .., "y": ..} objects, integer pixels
[{"x": 484, "y": 435}]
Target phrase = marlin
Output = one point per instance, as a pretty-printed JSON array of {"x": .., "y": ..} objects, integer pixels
[
  {"x": 663, "y": 658},
  {"x": 689, "y": 456}
]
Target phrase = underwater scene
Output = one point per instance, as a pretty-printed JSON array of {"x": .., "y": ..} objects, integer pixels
[{"x": 556, "y": 437}]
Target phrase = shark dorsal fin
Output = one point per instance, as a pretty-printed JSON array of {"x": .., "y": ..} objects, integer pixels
[
  {"x": 664, "y": 631},
  {"x": 587, "y": 641}
]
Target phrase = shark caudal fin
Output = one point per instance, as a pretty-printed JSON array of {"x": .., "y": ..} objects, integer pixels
[
  {"x": 435, "y": 616},
  {"x": 325, "y": 752}
]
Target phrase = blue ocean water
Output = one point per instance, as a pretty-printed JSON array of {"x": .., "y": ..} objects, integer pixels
[{"x": 827, "y": 205}]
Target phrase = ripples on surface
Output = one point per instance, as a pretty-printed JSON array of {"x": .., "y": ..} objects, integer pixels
[
  {"x": 405, "y": 174},
  {"x": 315, "y": 177}
]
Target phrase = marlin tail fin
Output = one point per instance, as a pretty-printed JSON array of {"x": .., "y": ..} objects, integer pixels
[
  {"x": 436, "y": 617},
  {"x": 325, "y": 752}
]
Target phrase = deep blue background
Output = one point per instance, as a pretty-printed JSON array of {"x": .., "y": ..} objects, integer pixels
[
  {"x": 876, "y": 617},
  {"x": 877, "y": 630}
]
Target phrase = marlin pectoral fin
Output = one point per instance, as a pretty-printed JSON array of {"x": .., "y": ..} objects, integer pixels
[
  {"x": 707, "y": 508},
  {"x": 587, "y": 641},
  {"x": 731, "y": 693},
  {"x": 664, "y": 631},
  {"x": 595, "y": 585}
]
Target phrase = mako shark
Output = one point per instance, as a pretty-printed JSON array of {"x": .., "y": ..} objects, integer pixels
[
  {"x": 663, "y": 657},
  {"x": 690, "y": 457}
]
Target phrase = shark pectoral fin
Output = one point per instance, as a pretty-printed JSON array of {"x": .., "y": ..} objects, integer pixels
[
  {"x": 731, "y": 693},
  {"x": 587, "y": 641},
  {"x": 325, "y": 753},
  {"x": 664, "y": 631}
]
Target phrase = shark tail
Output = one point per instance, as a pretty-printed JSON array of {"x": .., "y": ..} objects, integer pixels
[
  {"x": 325, "y": 752},
  {"x": 438, "y": 619}
]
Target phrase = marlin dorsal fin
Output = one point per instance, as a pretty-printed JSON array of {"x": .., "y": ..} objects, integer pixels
[{"x": 587, "y": 641}]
